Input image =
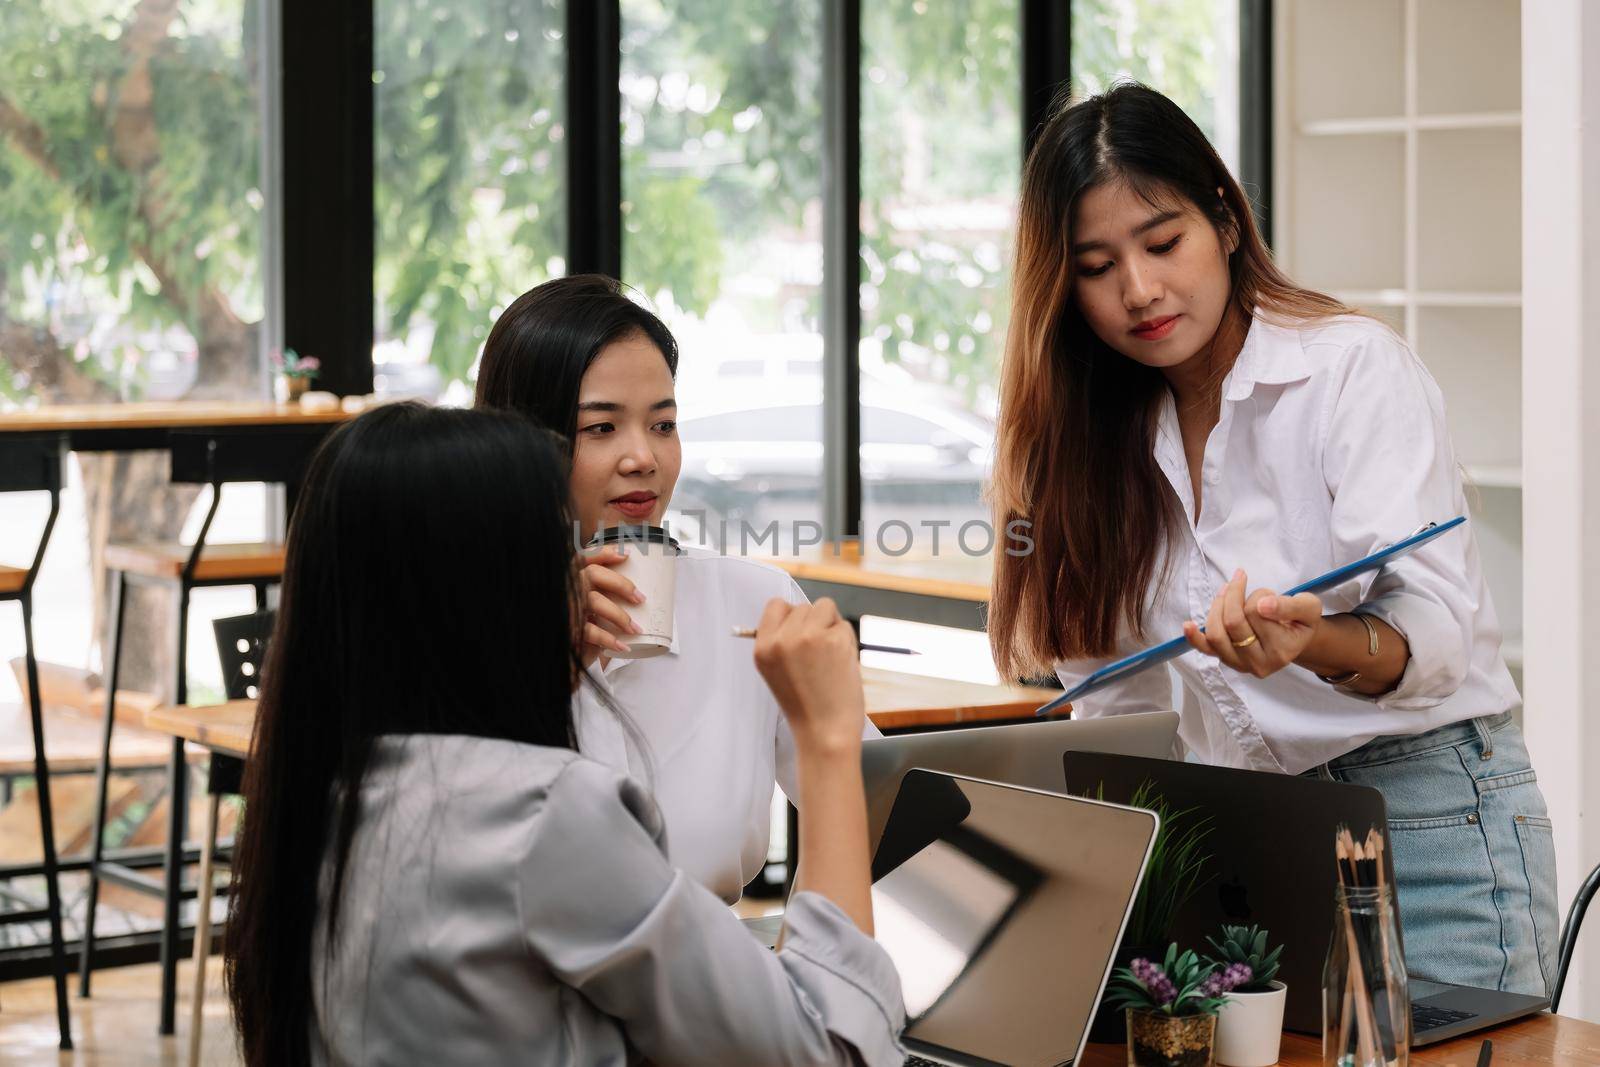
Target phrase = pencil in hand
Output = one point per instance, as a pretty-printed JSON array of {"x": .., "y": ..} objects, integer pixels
[{"x": 750, "y": 631}]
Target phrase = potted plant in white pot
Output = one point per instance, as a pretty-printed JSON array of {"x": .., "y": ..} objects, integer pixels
[{"x": 1250, "y": 1023}]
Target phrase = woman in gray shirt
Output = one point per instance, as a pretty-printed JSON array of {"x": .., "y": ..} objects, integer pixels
[{"x": 428, "y": 871}]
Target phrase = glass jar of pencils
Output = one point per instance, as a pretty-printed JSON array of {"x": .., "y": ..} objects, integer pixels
[{"x": 1366, "y": 1010}]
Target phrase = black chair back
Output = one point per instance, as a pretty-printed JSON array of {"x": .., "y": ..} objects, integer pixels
[
  {"x": 266, "y": 454},
  {"x": 242, "y": 648},
  {"x": 32, "y": 462},
  {"x": 1569, "y": 934},
  {"x": 274, "y": 454}
]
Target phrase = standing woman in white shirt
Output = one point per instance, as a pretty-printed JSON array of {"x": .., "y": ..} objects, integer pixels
[
  {"x": 1174, "y": 409},
  {"x": 587, "y": 362}
]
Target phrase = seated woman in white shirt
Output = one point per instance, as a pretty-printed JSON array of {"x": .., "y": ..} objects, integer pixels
[
  {"x": 430, "y": 873},
  {"x": 582, "y": 359},
  {"x": 1173, "y": 409}
]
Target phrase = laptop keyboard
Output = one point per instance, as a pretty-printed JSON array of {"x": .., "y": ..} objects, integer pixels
[
  {"x": 1429, "y": 1017},
  {"x": 918, "y": 1061}
]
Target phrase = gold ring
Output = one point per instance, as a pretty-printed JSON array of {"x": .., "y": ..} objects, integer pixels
[{"x": 1246, "y": 643}]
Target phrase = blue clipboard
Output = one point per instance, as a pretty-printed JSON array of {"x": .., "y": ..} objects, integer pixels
[{"x": 1115, "y": 672}]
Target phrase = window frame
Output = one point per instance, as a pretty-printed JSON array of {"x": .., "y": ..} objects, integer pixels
[
  {"x": 326, "y": 100},
  {"x": 324, "y": 118}
]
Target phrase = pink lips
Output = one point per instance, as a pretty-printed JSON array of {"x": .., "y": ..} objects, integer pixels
[
  {"x": 1155, "y": 329},
  {"x": 636, "y": 505}
]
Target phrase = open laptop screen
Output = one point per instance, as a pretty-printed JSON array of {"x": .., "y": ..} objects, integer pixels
[{"x": 1001, "y": 908}]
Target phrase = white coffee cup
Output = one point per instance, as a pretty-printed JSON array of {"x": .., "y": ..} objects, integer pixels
[
  {"x": 318, "y": 401},
  {"x": 651, "y": 564}
]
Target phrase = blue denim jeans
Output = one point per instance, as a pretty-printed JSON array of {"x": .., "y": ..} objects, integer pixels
[{"x": 1474, "y": 859}]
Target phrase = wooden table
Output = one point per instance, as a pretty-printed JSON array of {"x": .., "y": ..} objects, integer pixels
[
  {"x": 895, "y": 701},
  {"x": 1537, "y": 1041},
  {"x": 223, "y": 728},
  {"x": 949, "y": 590},
  {"x": 141, "y": 425}
]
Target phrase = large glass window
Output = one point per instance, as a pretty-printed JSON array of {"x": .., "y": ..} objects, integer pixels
[
  {"x": 722, "y": 213},
  {"x": 941, "y": 157},
  {"x": 129, "y": 201},
  {"x": 470, "y": 161},
  {"x": 130, "y": 270},
  {"x": 1188, "y": 49}
]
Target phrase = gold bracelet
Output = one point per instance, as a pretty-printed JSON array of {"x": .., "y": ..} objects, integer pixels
[
  {"x": 1340, "y": 680},
  {"x": 1372, "y": 632}
]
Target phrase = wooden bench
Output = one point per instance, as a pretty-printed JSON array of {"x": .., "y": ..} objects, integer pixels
[
  {"x": 73, "y": 708},
  {"x": 72, "y": 807},
  {"x": 72, "y": 740}
]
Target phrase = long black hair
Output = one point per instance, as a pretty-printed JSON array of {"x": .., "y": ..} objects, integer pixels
[
  {"x": 543, "y": 343},
  {"x": 429, "y": 587}
]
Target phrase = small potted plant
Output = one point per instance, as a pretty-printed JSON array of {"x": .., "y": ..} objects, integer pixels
[
  {"x": 294, "y": 374},
  {"x": 1250, "y": 1025},
  {"x": 1171, "y": 1007}
]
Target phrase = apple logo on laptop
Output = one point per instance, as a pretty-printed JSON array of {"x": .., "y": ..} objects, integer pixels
[{"x": 1235, "y": 899}]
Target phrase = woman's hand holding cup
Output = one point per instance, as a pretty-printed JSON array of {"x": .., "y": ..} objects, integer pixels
[
  {"x": 603, "y": 593},
  {"x": 808, "y": 655}
]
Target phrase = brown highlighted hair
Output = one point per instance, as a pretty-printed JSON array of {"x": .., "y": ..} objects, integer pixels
[{"x": 1074, "y": 441}]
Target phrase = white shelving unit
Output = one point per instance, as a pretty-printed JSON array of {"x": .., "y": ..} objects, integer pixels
[{"x": 1398, "y": 188}]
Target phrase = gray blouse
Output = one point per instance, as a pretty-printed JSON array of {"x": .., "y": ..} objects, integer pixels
[{"x": 508, "y": 903}]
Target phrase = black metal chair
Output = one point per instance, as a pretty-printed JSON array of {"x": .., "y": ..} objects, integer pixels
[
  {"x": 206, "y": 458},
  {"x": 34, "y": 463},
  {"x": 1569, "y": 933},
  {"x": 242, "y": 648}
]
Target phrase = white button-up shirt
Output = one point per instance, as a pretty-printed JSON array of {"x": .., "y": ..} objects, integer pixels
[
  {"x": 715, "y": 738},
  {"x": 1331, "y": 445}
]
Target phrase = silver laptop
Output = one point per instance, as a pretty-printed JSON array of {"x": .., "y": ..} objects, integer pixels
[
  {"x": 1002, "y": 908},
  {"x": 1028, "y": 754}
]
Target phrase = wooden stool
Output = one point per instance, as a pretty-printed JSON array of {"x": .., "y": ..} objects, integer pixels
[
  {"x": 33, "y": 463},
  {"x": 12, "y": 579},
  {"x": 211, "y": 458}
]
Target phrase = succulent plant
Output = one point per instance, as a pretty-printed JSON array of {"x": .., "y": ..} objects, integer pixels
[
  {"x": 1181, "y": 984},
  {"x": 1247, "y": 945}
]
